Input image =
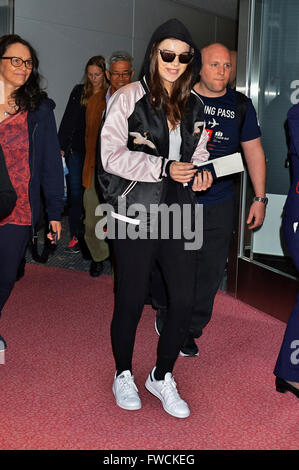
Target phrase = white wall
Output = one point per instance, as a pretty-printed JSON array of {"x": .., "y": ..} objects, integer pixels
[{"x": 66, "y": 33}]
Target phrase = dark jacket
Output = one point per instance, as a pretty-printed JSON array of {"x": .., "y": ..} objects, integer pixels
[
  {"x": 72, "y": 127},
  {"x": 45, "y": 162}
]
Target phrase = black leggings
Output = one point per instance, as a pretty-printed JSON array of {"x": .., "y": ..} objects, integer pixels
[{"x": 134, "y": 262}]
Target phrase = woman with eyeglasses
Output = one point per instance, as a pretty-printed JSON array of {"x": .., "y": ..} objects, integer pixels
[
  {"x": 152, "y": 136},
  {"x": 29, "y": 142}
]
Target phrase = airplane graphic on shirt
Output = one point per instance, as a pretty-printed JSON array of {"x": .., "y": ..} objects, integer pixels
[{"x": 213, "y": 123}]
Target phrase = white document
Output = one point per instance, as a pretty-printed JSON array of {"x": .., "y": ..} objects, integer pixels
[{"x": 226, "y": 165}]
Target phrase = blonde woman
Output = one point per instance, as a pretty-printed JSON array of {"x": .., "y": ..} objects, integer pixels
[
  {"x": 96, "y": 95},
  {"x": 72, "y": 143}
]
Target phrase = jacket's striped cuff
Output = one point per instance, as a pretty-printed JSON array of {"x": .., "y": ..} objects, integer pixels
[{"x": 165, "y": 167}]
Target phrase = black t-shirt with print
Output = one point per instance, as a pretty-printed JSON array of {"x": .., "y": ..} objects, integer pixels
[{"x": 225, "y": 137}]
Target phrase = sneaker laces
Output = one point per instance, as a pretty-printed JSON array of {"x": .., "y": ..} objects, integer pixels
[
  {"x": 169, "y": 391},
  {"x": 127, "y": 384}
]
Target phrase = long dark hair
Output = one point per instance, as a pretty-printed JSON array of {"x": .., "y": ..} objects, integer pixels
[
  {"x": 174, "y": 105},
  {"x": 99, "y": 61},
  {"x": 28, "y": 96}
]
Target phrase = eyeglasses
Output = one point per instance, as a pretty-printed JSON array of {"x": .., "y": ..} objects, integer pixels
[
  {"x": 18, "y": 62},
  {"x": 126, "y": 74},
  {"x": 184, "y": 58}
]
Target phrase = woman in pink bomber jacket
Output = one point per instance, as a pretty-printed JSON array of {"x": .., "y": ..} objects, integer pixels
[{"x": 152, "y": 136}]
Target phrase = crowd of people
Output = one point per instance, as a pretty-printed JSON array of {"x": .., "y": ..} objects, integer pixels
[{"x": 140, "y": 148}]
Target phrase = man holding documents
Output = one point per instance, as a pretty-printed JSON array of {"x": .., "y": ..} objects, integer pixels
[{"x": 231, "y": 122}]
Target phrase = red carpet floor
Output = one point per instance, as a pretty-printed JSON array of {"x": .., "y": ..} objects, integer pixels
[{"x": 57, "y": 377}]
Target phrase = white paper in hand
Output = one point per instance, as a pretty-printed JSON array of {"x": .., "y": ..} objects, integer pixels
[{"x": 226, "y": 165}]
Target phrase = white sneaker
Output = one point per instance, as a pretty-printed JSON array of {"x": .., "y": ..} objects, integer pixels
[
  {"x": 126, "y": 392},
  {"x": 167, "y": 392}
]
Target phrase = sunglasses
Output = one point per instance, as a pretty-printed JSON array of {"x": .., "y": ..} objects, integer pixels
[{"x": 184, "y": 58}]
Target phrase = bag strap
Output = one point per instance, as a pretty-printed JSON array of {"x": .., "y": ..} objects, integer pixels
[{"x": 241, "y": 109}]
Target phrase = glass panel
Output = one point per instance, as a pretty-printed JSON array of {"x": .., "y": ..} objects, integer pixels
[
  {"x": 6, "y": 16},
  {"x": 274, "y": 88}
]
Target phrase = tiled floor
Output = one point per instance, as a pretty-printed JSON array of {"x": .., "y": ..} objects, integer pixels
[{"x": 61, "y": 257}]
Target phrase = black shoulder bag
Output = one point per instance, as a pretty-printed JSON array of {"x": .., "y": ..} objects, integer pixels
[{"x": 8, "y": 196}]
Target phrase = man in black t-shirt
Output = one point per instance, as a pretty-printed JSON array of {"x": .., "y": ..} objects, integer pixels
[{"x": 225, "y": 137}]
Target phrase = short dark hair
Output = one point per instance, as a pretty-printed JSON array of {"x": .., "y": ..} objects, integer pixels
[{"x": 28, "y": 96}]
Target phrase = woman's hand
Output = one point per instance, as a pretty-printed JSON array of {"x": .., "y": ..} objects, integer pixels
[
  {"x": 182, "y": 172},
  {"x": 55, "y": 229},
  {"x": 202, "y": 181}
]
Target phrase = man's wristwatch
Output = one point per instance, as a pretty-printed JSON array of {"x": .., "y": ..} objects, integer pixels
[{"x": 261, "y": 199}]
